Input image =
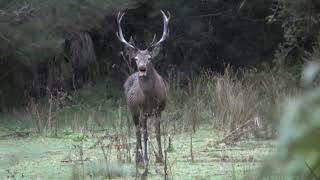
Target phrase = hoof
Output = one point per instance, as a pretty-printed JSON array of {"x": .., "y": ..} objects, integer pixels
[{"x": 145, "y": 173}]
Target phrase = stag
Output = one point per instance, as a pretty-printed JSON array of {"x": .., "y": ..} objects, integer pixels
[{"x": 145, "y": 90}]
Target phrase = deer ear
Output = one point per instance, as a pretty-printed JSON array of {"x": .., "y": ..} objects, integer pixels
[
  {"x": 131, "y": 41},
  {"x": 130, "y": 52},
  {"x": 155, "y": 51}
]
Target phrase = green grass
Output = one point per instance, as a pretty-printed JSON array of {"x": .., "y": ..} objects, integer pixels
[
  {"x": 89, "y": 106},
  {"x": 50, "y": 158},
  {"x": 99, "y": 107}
]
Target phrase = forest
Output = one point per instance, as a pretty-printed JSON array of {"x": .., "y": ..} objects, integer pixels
[{"x": 234, "y": 90}]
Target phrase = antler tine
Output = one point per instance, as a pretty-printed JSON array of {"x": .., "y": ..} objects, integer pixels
[
  {"x": 154, "y": 38},
  {"x": 165, "y": 34},
  {"x": 169, "y": 15},
  {"x": 120, "y": 33}
]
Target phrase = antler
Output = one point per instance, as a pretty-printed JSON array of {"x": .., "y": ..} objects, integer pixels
[
  {"x": 120, "y": 34},
  {"x": 165, "y": 34}
]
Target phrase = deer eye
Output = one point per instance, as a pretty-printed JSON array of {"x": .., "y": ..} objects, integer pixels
[{"x": 136, "y": 59}]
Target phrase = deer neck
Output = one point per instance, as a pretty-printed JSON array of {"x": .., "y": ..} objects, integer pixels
[{"x": 147, "y": 82}]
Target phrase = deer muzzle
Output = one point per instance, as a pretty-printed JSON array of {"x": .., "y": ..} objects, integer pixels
[{"x": 142, "y": 71}]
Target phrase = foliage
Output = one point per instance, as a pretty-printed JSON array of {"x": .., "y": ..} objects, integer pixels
[
  {"x": 47, "y": 44},
  {"x": 35, "y": 30},
  {"x": 301, "y": 25},
  {"x": 299, "y": 132}
]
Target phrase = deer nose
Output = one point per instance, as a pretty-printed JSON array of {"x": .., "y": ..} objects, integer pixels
[
  {"x": 142, "y": 71},
  {"x": 142, "y": 68}
]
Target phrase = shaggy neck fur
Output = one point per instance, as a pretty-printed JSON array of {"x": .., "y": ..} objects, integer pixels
[{"x": 147, "y": 82}]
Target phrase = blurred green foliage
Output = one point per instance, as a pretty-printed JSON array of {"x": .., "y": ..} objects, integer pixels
[{"x": 299, "y": 132}]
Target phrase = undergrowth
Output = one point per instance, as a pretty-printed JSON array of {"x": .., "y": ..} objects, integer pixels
[
  {"x": 233, "y": 106},
  {"x": 228, "y": 101},
  {"x": 223, "y": 101}
]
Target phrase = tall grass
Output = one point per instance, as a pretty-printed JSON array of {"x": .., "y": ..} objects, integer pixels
[
  {"x": 225, "y": 102},
  {"x": 229, "y": 100},
  {"x": 220, "y": 102}
]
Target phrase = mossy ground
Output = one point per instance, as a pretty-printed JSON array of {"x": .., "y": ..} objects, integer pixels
[{"x": 40, "y": 157}]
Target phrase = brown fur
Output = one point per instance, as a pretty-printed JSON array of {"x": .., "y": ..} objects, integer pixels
[
  {"x": 146, "y": 96},
  {"x": 145, "y": 90}
]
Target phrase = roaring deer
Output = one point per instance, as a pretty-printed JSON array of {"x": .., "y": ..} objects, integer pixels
[{"x": 145, "y": 90}]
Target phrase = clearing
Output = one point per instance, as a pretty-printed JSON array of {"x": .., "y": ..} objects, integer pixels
[{"x": 75, "y": 155}]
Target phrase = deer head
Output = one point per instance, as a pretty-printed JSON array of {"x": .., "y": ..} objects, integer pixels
[{"x": 143, "y": 57}]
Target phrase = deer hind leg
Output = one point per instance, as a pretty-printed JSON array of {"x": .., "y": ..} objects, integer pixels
[
  {"x": 139, "y": 157},
  {"x": 159, "y": 156}
]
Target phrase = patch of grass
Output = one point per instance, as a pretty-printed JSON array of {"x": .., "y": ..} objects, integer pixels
[
  {"x": 93, "y": 104},
  {"x": 101, "y": 169},
  {"x": 56, "y": 158},
  {"x": 17, "y": 120},
  {"x": 94, "y": 107},
  {"x": 224, "y": 102},
  {"x": 221, "y": 103}
]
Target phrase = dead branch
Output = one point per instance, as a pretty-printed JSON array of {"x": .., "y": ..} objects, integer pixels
[
  {"x": 235, "y": 132},
  {"x": 16, "y": 134},
  {"x": 74, "y": 161}
]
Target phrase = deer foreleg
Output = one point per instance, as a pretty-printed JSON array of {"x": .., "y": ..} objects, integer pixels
[
  {"x": 137, "y": 124},
  {"x": 159, "y": 156},
  {"x": 145, "y": 138}
]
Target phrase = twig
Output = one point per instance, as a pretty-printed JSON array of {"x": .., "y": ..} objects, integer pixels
[
  {"x": 110, "y": 136},
  {"x": 191, "y": 149},
  {"x": 77, "y": 160},
  {"x": 229, "y": 149},
  {"x": 212, "y": 14},
  {"x": 242, "y": 4},
  {"x": 152, "y": 147},
  {"x": 311, "y": 171},
  {"x": 96, "y": 143},
  {"x": 252, "y": 20},
  {"x": 165, "y": 165},
  {"x": 50, "y": 111},
  {"x": 4, "y": 38}
]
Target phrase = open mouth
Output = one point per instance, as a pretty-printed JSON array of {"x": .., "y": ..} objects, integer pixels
[{"x": 142, "y": 71}]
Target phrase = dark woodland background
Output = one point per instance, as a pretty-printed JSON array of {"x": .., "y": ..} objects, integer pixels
[
  {"x": 238, "y": 69},
  {"x": 50, "y": 45}
]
